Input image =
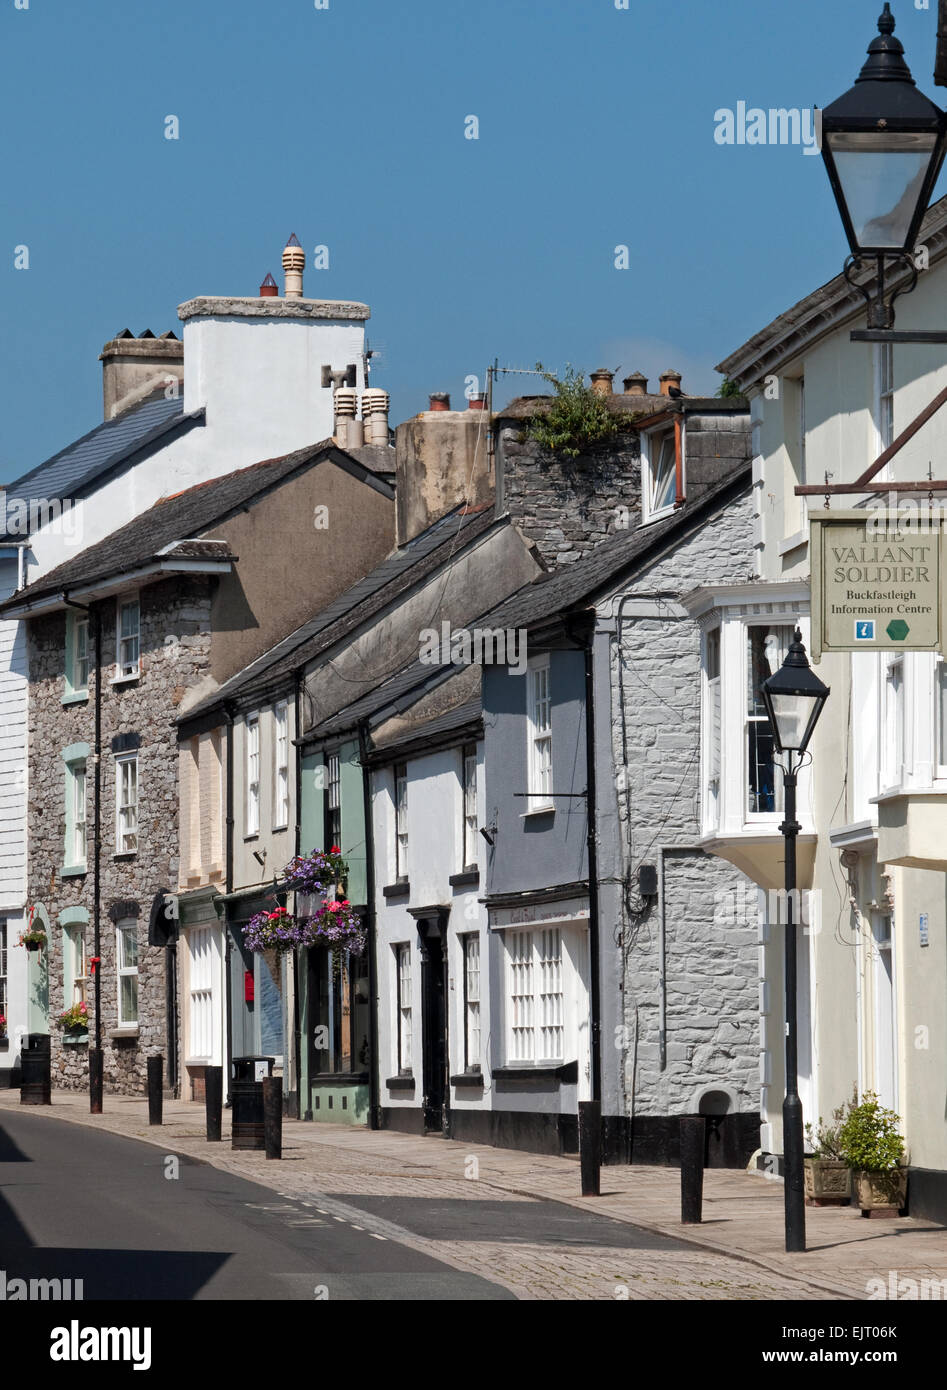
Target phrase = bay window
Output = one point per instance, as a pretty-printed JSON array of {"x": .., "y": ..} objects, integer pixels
[{"x": 766, "y": 649}]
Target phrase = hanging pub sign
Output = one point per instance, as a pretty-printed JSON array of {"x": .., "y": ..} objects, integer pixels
[{"x": 877, "y": 578}]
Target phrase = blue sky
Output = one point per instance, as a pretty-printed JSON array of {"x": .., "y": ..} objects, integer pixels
[{"x": 346, "y": 125}]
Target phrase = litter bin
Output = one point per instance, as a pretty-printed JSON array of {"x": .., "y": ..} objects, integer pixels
[
  {"x": 34, "y": 1074},
  {"x": 246, "y": 1101}
]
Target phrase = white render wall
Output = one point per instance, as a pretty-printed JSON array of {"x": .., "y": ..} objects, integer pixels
[{"x": 709, "y": 955}]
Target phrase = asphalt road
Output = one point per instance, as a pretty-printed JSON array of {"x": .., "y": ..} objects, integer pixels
[{"x": 77, "y": 1204}]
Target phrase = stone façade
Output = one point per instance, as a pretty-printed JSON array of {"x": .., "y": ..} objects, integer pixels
[{"x": 175, "y": 653}]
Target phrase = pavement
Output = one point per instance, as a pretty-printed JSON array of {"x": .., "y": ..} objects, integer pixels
[{"x": 517, "y": 1219}]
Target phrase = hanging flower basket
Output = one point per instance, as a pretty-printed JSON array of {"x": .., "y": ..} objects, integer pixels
[
  {"x": 74, "y": 1019},
  {"x": 271, "y": 931},
  {"x": 32, "y": 937},
  {"x": 336, "y": 925},
  {"x": 314, "y": 873}
]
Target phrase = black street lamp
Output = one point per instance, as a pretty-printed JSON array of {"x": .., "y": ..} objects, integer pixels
[
  {"x": 794, "y": 697},
  {"x": 883, "y": 144}
]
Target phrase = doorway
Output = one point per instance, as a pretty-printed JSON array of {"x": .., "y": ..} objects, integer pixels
[{"x": 435, "y": 1100}]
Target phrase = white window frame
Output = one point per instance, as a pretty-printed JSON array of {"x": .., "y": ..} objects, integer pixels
[
  {"x": 535, "y": 962},
  {"x": 653, "y": 454},
  {"x": 757, "y": 817},
  {"x": 893, "y": 740},
  {"x": 468, "y": 806},
  {"x": 939, "y": 722},
  {"x": 79, "y": 804},
  {"x": 75, "y": 967},
  {"x": 281, "y": 765},
  {"x": 713, "y": 725},
  {"x": 201, "y": 973},
  {"x": 127, "y": 669},
  {"x": 539, "y": 759},
  {"x": 400, "y": 775},
  {"x": 251, "y": 734},
  {"x": 126, "y": 811},
  {"x": 76, "y": 688},
  {"x": 471, "y": 957},
  {"x": 404, "y": 1009},
  {"x": 882, "y": 401},
  {"x": 123, "y": 970}
]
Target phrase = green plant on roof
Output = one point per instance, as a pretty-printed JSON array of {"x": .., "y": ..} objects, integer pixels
[{"x": 577, "y": 419}]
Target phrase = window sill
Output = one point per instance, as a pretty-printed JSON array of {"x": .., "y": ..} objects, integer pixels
[
  {"x": 123, "y": 854},
  {"x": 467, "y": 878},
  {"x": 400, "y": 1083},
  {"x": 125, "y": 680},
  {"x": 396, "y": 890},
  {"x": 468, "y": 1078},
  {"x": 128, "y": 1033},
  {"x": 341, "y": 1078},
  {"x": 254, "y": 835},
  {"x": 76, "y": 697},
  {"x": 793, "y": 542},
  {"x": 547, "y": 809},
  {"x": 661, "y": 515},
  {"x": 554, "y": 1071},
  {"x": 73, "y": 870}
]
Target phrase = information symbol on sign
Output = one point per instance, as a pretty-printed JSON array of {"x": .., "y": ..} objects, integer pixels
[{"x": 865, "y": 631}]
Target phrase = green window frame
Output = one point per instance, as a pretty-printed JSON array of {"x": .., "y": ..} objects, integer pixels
[
  {"x": 75, "y": 759},
  {"x": 75, "y": 977}
]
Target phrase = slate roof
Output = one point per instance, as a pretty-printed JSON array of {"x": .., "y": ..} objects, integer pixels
[
  {"x": 383, "y": 585},
  {"x": 72, "y": 471},
  {"x": 180, "y": 517},
  {"x": 543, "y": 598},
  {"x": 457, "y": 718}
]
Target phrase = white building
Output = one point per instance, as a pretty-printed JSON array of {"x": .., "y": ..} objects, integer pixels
[{"x": 873, "y": 804}]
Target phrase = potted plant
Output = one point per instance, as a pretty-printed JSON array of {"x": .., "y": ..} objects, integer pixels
[
  {"x": 828, "y": 1176},
  {"x": 871, "y": 1144},
  {"x": 3, "y": 1030},
  {"x": 74, "y": 1019}
]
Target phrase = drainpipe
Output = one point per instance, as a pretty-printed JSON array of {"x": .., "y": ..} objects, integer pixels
[
  {"x": 229, "y": 708},
  {"x": 374, "y": 1107},
  {"x": 95, "y": 1053},
  {"x": 297, "y": 841},
  {"x": 594, "y": 983}
]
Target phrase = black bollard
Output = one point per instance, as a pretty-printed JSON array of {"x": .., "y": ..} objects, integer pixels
[
  {"x": 213, "y": 1100},
  {"x": 155, "y": 1082},
  {"x": 693, "y": 1140},
  {"x": 273, "y": 1116},
  {"x": 96, "y": 1071},
  {"x": 590, "y": 1146}
]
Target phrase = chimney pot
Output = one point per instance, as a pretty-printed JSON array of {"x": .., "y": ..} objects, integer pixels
[
  {"x": 294, "y": 263},
  {"x": 669, "y": 380},
  {"x": 602, "y": 381},
  {"x": 478, "y": 401},
  {"x": 636, "y": 384},
  {"x": 440, "y": 400}
]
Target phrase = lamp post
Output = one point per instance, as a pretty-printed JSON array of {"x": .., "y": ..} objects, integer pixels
[
  {"x": 794, "y": 697},
  {"x": 883, "y": 144}
]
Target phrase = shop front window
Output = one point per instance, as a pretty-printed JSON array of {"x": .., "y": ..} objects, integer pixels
[{"x": 341, "y": 1014}]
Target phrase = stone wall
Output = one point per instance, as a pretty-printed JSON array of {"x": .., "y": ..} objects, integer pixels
[
  {"x": 175, "y": 652},
  {"x": 710, "y": 956},
  {"x": 566, "y": 507}
]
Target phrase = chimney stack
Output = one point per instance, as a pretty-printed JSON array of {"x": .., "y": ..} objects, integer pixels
[
  {"x": 602, "y": 382},
  {"x": 134, "y": 368},
  {"x": 636, "y": 384},
  {"x": 670, "y": 383},
  {"x": 439, "y": 400},
  {"x": 478, "y": 401},
  {"x": 294, "y": 263}
]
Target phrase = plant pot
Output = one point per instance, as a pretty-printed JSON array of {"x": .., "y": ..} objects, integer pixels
[
  {"x": 882, "y": 1194},
  {"x": 828, "y": 1182},
  {"x": 33, "y": 945}
]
